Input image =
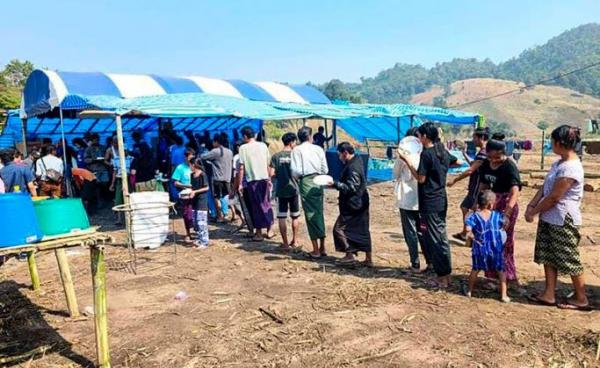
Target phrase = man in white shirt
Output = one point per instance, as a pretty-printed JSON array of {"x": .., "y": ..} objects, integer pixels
[
  {"x": 407, "y": 196},
  {"x": 50, "y": 170},
  {"x": 254, "y": 166},
  {"x": 308, "y": 161}
]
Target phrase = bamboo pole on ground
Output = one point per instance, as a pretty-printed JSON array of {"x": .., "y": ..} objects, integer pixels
[
  {"x": 33, "y": 271},
  {"x": 100, "y": 306},
  {"x": 67, "y": 282}
]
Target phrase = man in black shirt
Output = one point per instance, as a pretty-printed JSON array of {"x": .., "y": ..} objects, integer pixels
[{"x": 319, "y": 138}]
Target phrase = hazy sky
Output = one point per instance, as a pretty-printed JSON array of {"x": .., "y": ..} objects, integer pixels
[{"x": 292, "y": 41}]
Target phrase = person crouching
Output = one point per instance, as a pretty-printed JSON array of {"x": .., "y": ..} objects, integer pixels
[{"x": 351, "y": 232}]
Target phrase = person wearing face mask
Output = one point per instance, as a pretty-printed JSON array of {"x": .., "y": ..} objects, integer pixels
[
  {"x": 182, "y": 179},
  {"x": 500, "y": 175}
]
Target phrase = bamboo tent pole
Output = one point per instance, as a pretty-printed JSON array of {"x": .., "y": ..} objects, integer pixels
[
  {"x": 67, "y": 281},
  {"x": 100, "y": 306},
  {"x": 124, "y": 178},
  {"x": 66, "y": 175},
  {"x": 33, "y": 271}
]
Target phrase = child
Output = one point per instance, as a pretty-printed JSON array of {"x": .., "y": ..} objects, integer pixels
[
  {"x": 484, "y": 228},
  {"x": 199, "y": 198}
]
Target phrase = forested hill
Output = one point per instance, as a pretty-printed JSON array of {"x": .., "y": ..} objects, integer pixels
[{"x": 568, "y": 51}]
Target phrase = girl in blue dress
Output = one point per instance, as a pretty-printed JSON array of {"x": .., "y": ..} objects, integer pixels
[{"x": 485, "y": 230}]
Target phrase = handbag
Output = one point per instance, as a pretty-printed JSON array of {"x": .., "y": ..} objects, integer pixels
[{"x": 52, "y": 175}]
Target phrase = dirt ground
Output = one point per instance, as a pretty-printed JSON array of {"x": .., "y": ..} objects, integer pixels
[{"x": 250, "y": 305}]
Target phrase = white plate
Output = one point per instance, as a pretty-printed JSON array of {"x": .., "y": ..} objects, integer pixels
[
  {"x": 411, "y": 145},
  {"x": 322, "y": 180},
  {"x": 185, "y": 194}
]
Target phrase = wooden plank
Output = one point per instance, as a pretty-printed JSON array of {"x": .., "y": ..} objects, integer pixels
[
  {"x": 100, "y": 306},
  {"x": 75, "y": 241},
  {"x": 67, "y": 282}
]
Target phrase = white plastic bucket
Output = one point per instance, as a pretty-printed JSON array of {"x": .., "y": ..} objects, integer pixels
[{"x": 149, "y": 219}]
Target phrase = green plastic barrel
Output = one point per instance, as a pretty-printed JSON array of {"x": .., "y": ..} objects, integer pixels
[{"x": 61, "y": 216}]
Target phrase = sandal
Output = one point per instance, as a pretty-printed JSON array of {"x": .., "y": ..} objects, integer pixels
[
  {"x": 460, "y": 236},
  {"x": 346, "y": 261},
  {"x": 312, "y": 256},
  {"x": 536, "y": 299},
  {"x": 257, "y": 239},
  {"x": 570, "y": 305}
]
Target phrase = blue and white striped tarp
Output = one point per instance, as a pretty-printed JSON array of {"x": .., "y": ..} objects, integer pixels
[{"x": 46, "y": 89}]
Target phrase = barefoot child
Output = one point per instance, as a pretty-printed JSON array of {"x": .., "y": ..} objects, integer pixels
[
  {"x": 199, "y": 200},
  {"x": 484, "y": 228}
]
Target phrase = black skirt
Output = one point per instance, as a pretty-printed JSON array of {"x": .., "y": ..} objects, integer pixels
[{"x": 351, "y": 233}]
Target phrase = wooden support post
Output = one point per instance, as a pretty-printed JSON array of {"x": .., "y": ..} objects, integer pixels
[
  {"x": 33, "y": 271},
  {"x": 67, "y": 282},
  {"x": 334, "y": 132},
  {"x": 543, "y": 153},
  {"x": 326, "y": 134},
  {"x": 100, "y": 305}
]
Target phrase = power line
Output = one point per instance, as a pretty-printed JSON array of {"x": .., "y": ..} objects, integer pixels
[{"x": 542, "y": 81}]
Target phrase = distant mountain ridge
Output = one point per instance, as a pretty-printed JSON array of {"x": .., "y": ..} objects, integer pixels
[{"x": 570, "y": 50}]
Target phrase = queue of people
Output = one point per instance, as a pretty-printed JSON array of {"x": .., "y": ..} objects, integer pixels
[
  {"x": 490, "y": 211},
  {"x": 206, "y": 169}
]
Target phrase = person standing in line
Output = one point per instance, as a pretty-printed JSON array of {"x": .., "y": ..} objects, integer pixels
[
  {"x": 480, "y": 139},
  {"x": 308, "y": 161},
  {"x": 500, "y": 174},
  {"x": 286, "y": 191},
  {"x": 221, "y": 159},
  {"x": 320, "y": 139},
  {"x": 351, "y": 232},
  {"x": 182, "y": 179},
  {"x": 407, "y": 196},
  {"x": 558, "y": 203},
  {"x": 484, "y": 228},
  {"x": 199, "y": 200},
  {"x": 433, "y": 200},
  {"x": 234, "y": 198},
  {"x": 254, "y": 166},
  {"x": 50, "y": 170},
  {"x": 17, "y": 178},
  {"x": 177, "y": 153},
  {"x": 80, "y": 147}
]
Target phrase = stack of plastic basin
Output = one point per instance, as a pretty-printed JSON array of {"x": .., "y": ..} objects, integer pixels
[
  {"x": 18, "y": 221},
  {"x": 149, "y": 219},
  {"x": 61, "y": 216}
]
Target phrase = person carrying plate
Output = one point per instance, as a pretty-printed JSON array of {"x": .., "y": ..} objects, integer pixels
[
  {"x": 308, "y": 161},
  {"x": 351, "y": 232}
]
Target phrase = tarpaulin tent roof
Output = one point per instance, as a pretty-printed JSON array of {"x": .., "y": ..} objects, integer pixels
[{"x": 45, "y": 89}]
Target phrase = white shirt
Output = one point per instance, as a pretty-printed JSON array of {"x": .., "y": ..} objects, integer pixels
[
  {"x": 407, "y": 192},
  {"x": 308, "y": 159},
  {"x": 256, "y": 158},
  {"x": 50, "y": 162}
]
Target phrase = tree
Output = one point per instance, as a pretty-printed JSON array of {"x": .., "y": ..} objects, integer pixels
[
  {"x": 542, "y": 125},
  {"x": 15, "y": 73},
  {"x": 337, "y": 90},
  {"x": 12, "y": 81},
  {"x": 501, "y": 127}
]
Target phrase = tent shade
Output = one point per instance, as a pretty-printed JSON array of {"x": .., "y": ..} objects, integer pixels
[
  {"x": 38, "y": 128},
  {"x": 45, "y": 89},
  {"x": 378, "y": 128}
]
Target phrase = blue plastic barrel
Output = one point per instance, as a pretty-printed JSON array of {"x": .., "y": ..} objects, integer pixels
[{"x": 18, "y": 222}]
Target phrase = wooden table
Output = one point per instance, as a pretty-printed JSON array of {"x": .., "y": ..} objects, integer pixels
[{"x": 95, "y": 242}]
